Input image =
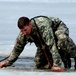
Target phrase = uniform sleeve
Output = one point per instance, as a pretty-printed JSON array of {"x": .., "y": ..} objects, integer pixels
[
  {"x": 47, "y": 35},
  {"x": 18, "y": 48}
]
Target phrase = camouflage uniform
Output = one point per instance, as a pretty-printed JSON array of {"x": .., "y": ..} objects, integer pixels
[
  {"x": 64, "y": 42},
  {"x": 66, "y": 46},
  {"x": 47, "y": 28}
]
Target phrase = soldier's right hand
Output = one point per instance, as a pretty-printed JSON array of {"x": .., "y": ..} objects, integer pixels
[
  {"x": 2, "y": 64},
  {"x": 57, "y": 69}
]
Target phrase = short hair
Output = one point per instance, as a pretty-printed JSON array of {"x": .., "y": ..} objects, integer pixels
[{"x": 23, "y": 21}]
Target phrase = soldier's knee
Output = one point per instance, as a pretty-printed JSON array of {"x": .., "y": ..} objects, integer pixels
[
  {"x": 62, "y": 36},
  {"x": 40, "y": 60},
  {"x": 62, "y": 41},
  {"x": 40, "y": 63}
]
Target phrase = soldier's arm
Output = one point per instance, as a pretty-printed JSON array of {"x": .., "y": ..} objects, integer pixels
[{"x": 18, "y": 48}]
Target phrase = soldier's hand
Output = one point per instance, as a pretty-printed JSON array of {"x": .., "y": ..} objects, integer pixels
[
  {"x": 57, "y": 69},
  {"x": 2, "y": 64}
]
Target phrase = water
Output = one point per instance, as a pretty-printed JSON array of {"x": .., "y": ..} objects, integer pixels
[{"x": 11, "y": 10}]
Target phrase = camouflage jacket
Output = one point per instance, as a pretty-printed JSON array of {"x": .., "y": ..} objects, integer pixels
[{"x": 45, "y": 26}]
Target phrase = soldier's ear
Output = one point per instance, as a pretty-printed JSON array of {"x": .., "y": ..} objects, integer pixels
[{"x": 30, "y": 23}]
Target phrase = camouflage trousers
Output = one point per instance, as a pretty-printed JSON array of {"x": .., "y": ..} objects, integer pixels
[{"x": 41, "y": 60}]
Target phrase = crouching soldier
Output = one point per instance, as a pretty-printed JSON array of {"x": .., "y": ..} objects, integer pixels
[{"x": 47, "y": 33}]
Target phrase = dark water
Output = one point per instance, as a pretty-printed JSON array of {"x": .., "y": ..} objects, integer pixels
[{"x": 9, "y": 14}]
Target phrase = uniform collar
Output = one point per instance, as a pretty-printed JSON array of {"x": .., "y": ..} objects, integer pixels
[{"x": 34, "y": 29}]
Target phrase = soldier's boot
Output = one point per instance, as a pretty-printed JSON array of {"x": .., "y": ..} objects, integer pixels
[{"x": 40, "y": 60}]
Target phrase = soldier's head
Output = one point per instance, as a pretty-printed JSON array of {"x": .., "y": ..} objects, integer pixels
[{"x": 25, "y": 25}]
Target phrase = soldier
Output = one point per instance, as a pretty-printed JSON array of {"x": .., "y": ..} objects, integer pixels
[{"x": 49, "y": 34}]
